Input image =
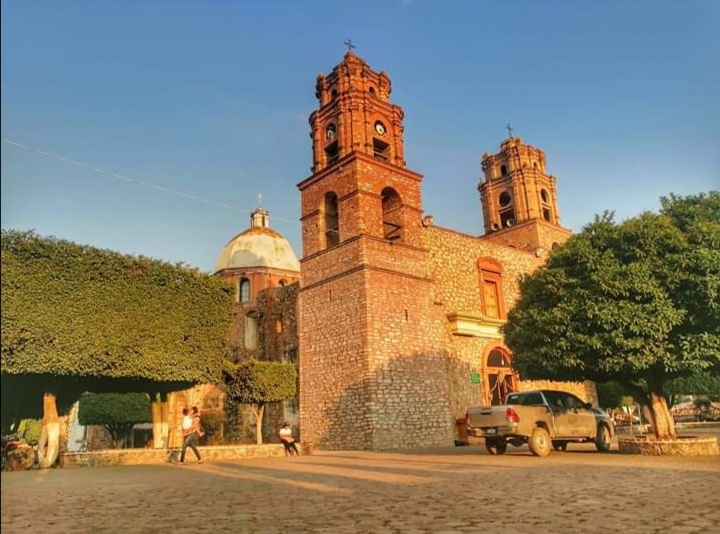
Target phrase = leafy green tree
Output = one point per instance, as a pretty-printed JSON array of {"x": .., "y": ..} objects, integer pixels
[
  {"x": 637, "y": 303},
  {"x": 698, "y": 384},
  {"x": 117, "y": 412},
  {"x": 610, "y": 394},
  {"x": 77, "y": 318},
  {"x": 259, "y": 383}
]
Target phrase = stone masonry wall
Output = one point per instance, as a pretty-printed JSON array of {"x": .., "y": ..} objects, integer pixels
[
  {"x": 408, "y": 363},
  {"x": 334, "y": 397}
]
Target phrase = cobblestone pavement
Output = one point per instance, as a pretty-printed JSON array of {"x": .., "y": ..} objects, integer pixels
[{"x": 435, "y": 491}]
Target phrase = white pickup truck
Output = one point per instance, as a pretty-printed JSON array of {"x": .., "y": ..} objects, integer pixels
[{"x": 542, "y": 419}]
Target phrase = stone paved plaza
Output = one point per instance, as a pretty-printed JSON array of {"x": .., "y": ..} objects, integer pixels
[{"x": 436, "y": 491}]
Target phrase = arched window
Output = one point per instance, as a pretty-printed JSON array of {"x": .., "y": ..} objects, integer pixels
[
  {"x": 332, "y": 226},
  {"x": 491, "y": 288},
  {"x": 503, "y": 170},
  {"x": 392, "y": 214},
  {"x": 545, "y": 197},
  {"x": 244, "y": 290}
]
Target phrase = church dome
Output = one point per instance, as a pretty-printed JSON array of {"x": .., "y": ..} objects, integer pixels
[{"x": 258, "y": 246}]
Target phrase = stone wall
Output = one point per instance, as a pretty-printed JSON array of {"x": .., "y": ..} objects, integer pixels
[{"x": 164, "y": 456}]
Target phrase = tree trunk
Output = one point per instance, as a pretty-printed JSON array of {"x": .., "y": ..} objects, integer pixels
[
  {"x": 49, "y": 444},
  {"x": 156, "y": 410},
  {"x": 660, "y": 417},
  {"x": 164, "y": 424},
  {"x": 259, "y": 410}
]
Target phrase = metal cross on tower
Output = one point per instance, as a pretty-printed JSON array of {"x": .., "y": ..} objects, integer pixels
[
  {"x": 510, "y": 130},
  {"x": 350, "y": 45}
]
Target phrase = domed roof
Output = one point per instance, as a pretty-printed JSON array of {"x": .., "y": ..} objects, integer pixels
[{"x": 258, "y": 246}]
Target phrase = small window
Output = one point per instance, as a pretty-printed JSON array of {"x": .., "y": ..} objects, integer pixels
[
  {"x": 533, "y": 399},
  {"x": 573, "y": 402},
  {"x": 503, "y": 170},
  {"x": 244, "y": 290},
  {"x": 546, "y": 214},
  {"x": 505, "y": 199},
  {"x": 371, "y": 90},
  {"x": 544, "y": 196},
  {"x": 282, "y": 283},
  {"x": 381, "y": 150},
  {"x": 491, "y": 295},
  {"x": 332, "y": 228}
]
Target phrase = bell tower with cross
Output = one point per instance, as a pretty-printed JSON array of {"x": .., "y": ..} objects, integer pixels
[
  {"x": 519, "y": 198},
  {"x": 355, "y": 115},
  {"x": 367, "y": 324}
]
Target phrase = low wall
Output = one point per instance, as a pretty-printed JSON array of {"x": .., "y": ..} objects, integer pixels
[
  {"x": 163, "y": 456},
  {"x": 682, "y": 446}
]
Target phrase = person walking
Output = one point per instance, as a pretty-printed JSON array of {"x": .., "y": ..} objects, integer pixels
[
  {"x": 287, "y": 439},
  {"x": 191, "y": 432}
]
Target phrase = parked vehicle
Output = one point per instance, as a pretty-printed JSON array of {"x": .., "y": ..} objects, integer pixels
[{"x": 543, "y": 419}]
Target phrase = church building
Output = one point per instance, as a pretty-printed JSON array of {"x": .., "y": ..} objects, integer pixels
[{"x": 394, "y": 322}]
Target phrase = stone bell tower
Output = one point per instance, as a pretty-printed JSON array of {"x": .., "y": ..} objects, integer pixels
[
  {"x": 519, "y": 199},
  {"x": 372, "y": 371}
]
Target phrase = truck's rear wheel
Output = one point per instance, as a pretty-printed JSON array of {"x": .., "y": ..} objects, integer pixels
[
  {"x": 602, "y": 440},
  {"x": 559, "y": 445},
  {"x": 539, "y": 442},
  {"x": 496, "y": 445}
]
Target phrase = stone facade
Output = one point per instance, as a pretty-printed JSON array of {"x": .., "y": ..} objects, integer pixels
[{"x": 399, "y": 321}]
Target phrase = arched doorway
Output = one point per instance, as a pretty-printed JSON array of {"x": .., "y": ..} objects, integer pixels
[{"x": 499, "y": 377}]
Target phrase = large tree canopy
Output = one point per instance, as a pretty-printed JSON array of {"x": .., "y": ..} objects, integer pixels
[
  {"x": 77, "y": 318},
  {"x": 636, "y": 302},
  {"x": 74, "y": 310}
]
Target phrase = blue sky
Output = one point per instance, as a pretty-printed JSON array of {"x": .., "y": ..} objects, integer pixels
[{"x": 211, "y": 99}]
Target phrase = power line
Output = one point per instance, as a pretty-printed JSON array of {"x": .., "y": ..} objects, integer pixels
[{"x": 129, "y": 179}]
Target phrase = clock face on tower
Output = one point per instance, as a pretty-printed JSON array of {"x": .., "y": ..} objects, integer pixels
[
  {"x": 330, "y": 132},
  {"x": 380, "y": 128}
]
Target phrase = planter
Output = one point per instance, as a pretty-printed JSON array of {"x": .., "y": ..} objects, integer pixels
[{"x": 682, "y": 446}]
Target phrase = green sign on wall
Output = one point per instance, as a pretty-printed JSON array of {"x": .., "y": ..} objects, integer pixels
[{"x": 474, "y": 378}]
